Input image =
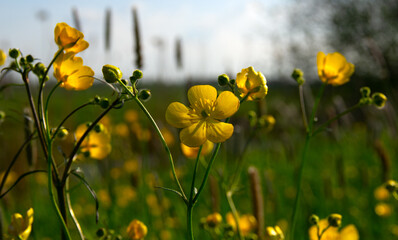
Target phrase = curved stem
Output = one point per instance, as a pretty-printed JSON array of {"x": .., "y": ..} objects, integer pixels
[
  {"x": 234, "y": 213},
  {"x": 66, "y": 118},
  {"x": 71, "y": 212},
  {"x": 166, "y": 147},
  {"x": 48, "y": 100},
  {"x": 19, "y": 179}
]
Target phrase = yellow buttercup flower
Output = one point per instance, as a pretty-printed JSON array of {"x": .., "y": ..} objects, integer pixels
[
  {"x": 274, "y": 233},
  {"x": 200, "y": 121},
  {"x": 3, "y": 57},
  {"x": 251, "y": 82},
  {"x": 136, "y": 230},
  {"x": 96, "y": 145},
  {"x": 69, "y": 38},
  {"x": 20, "y": 227},
  {"x": 70, "y": 71},
  {"x": 334, "y": 68},
  {"x": 332, "y": 233},
  {"x": 192, "y": 152},
  {"x": 247, "y": 223}
]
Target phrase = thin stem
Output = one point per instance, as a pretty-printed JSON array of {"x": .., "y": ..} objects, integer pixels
[
  {"x": 71, "y": 212},
  {"x": 191, "y": 195},
  {"x": 48, "y": 100},
  {"x": 19, "y": 179},
  {"x": 234, "y": 213},
  {"x": 189, "y": 221},
  {"x": 302, "y": 106},
  {"x": 315, "y": 108},
  {"x": 79, "y": 143},
  {"x": 66, "y": 118},
  {"x": 166, "y": 147},
  {"x": 324, "y": 125}
]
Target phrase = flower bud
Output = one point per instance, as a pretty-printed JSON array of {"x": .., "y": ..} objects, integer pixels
[
  {"x": 23, "y": 62},
  {"x": 223, "y": 80},
  {"x": 29, "y": 58},
  {"x": 111, "y": 73},
  {"x": 13, "y": 52},
  {"x": 298, "y": 75},
  {"x": 137, "y": 74},
  {"x": 97, "y": 99},
  {"x": 379, "y": 99},
  {"x": 365, "y": 92},
  {"x": 62, "y": 133},
  {"x": 118, "y": 237},
  {"x": 124, "y": 81},
  {"x": 2, "y": 115},
  {"x": 144, "y": 94},
  {"x": 101, "y": 232},
  {"x": 232, "y": 81},
  {"x": 314, "y": 219},
  {"x": 252, "y": 115},
  {"x": 391, "y": 186},
  {"x": 99, "y": 128},
  {"x": 39, "y": 68},
  {"x": 136, "y": 230},
  {"x": 334, "y": 220},
  {"x": 104, "y": 103}
]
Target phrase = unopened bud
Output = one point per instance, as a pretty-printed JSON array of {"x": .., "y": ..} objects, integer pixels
[
  {"x": 391, "y": 186},
  {"x": 314, "y": 219},
  {"x": 232, "y": 81},
  {"x": 144, "y": 94},
  {"x": 298, "y": 75},
  {"x": 111, "y": 73},
  {"x": 2, "y": 115},
  {"x": 39, "y": 68},
  {"x": 62, "y": 133},
  {"x": 104, "y": 103},
  {"x": 365, "y": 92},
  {"x": 137, "y": 74},
  {"x": 13, "y": 52},
  {"x": 379, "y": 99},
  {"x": 23, "y": 61},
  {"x": 97, "y": 99},
  {"x": 101, "y": 232},
  {"x": 99, "y": 128},
  {"x": 29, "y": 58},
  {"x": 124, "y": 81},
  {"x": 223, "y": 80},
  {"x": 334, "y": 220}
]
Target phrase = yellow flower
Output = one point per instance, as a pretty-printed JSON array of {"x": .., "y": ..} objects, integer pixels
[
  {"x": 96, "y": 144},
  {"x": 192, "y": 152},
  {"x": 334, "y": 68},
  {"x": 214, "y": 219},
  {"x": 200, "y": 121},
  {"x": 136, "y": 230},
  {"x": 3, "y": 57},
  {"x": 70, "y": 71},
  {"x": 69, "y": 38},
  {"x": 20, "y": 227},
  {"x": 347, "y": 233},
  {"x": 247, "y": 223},
  {"x": 274, "y": 233},
  {"x": 251, "y": 82}
]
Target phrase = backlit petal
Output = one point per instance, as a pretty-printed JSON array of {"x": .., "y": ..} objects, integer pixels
[
  {"x": 180, "y": 116},
  {"x": 201, "y": 95},
  {"x": 349, "y": 233},
  {"x": 194, "y": 135},
  {"x": 218, "y": 131},
  {"x": 225, "y": 106}
]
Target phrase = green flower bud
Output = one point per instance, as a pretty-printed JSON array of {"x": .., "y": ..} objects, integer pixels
[
  {"x": 391, "y": 186},
  {"x": 365, "y": 92},
  {"x": 2, "y": 115},
  {"x": 97, "y": 99},
  {"x": 144, "y": 94},
  {"x": 124, "y": 81},
  {"x": 300, "y": 81},
  {"x": 133, "y": 80},
  {"x": 29, "y": 58},
  {"x": 298, "y": 75},
  {"x": 252, "y": 115},
  {"x": 379, "y": 99},
  {"x": 118, "y": 237},
  {"x": 62, "y": 133},
  {"x": 137, "y": 74},
  {"x": 99, "y": 128},
  {"x": 23, "y": 62},
  {"x": 111, "y": 73},
  {"x": 334, "y": 220},
  {"x": 223, "y": 80},
  {"x": 39, "y": 68},
  {"x": 101, "y": 232},
  {"x": 314, "y": 219},
  {"x": 86, "y": 154},
  {"x": 232, "y": 81},
  {"x": 13, "y": 52},
  {"x": 104, "y": 103}
]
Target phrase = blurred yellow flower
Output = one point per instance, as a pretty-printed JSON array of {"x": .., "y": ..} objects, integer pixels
[
  {"x": 3, "y": 57},
  {"x": 69, "y": 38},
  {"x": 334, "y": 69},
  {"x": 383, "y": 209},
  {"x": 214, "y": 219},
  {"x": 96, "y": 145},
  {"x": 274, "y": 233},
  {"x": 136, "y": 230},
  {"x": 381, "y": 193},
  {"x": 20, "y": 227},
  {"x": 122, "y": 130},
  {"x": 131, "y": 116},
  {"x": 200, "y": 121},
  {"x": 253, "y": 83},
  {"x": 192, "y": 152},
  {"x": 70, "y": 71},
  {"x": 349, "y": 232},
  {"x": 247, "y": 223},
  {"x": 168, "y": 136}
]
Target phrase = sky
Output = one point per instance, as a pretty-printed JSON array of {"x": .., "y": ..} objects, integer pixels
[{"x": 217, "y": 36}]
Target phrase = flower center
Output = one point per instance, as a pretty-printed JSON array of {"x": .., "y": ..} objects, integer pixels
[{"x": 204, "y": 114}]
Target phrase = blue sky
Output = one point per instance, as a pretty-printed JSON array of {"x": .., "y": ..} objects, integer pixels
[{"x": 217, "y": 36}]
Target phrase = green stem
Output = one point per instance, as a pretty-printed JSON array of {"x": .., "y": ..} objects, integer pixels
[
  {"x": 234, "y": 213},
  {"x": 189, "y": 221},
  {"x": 191, "y": 195},
  {"x": 48, "y": 100},
  {"x": 302, "y": 106},
  {"x": 71, "y": 212},
  {"x": 166, "y": 147}
]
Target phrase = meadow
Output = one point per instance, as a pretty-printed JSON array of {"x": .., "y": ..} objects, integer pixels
[{"x": 95, "y": 188}]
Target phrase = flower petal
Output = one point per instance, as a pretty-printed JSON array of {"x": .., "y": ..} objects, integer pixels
[
  {"x": 320, "y": 62},
  {"x": 201, "y": 95},
  {"x": 349, "y": 233},
  {"x": 336, "y": 61},
  {"x": 80, "y": 80},
  {"x": 241, "y": 80},
  {"x": 344, "y": 75},
  {"x": 194, "y": 135},
  {"x": 225, "y": 106},
  {"x": 218, "y": 131},
  {"x": 180, "y": 116}
]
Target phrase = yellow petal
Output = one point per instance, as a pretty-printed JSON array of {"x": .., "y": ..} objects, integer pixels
[
  {"x": 225, "y": 106},
  {"x": 241, "y": 80},
  {"x": 349, "y": 233},
  {"x": 335, "y": 61},
  {"x": 344, "y": 75},
  {"x": 192, "y": 152},
  {"x": 82, "y": 79},
  {"x": 320, "y": 62},
  {"x": 96, "y": 143},
  {"x": 218, "y": 131},
  {"x": 180, "y": 116},
  {"x": 3, "y": 57},
  {"x": 194, "y": 135},
  {"x": 200, "y": 96}
]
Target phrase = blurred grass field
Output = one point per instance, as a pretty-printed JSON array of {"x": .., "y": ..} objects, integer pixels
[{"x": 346, "y": 165}]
